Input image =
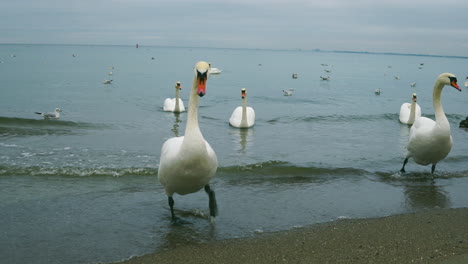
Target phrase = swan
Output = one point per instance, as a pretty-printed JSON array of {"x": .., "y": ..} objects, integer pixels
[
  {"x": 243, "y": 116},
  {"x": 188, "y": 163},
  {"x": 409, "y": 112},
  {"x": 430, "y": 141},
  {"x": 175, "y": 104}
]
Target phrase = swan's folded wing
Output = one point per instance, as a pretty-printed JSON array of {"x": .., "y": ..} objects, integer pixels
[{"x": 169, "y": 104}]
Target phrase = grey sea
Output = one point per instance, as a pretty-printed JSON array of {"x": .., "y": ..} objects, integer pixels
[{"x": 84, "y": 188}]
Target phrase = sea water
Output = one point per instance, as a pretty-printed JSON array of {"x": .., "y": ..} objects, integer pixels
[{"x": 84, "y": 188}]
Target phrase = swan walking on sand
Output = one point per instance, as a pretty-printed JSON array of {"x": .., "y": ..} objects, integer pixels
[
  {"x": 430, "y": 141},
  {"x": 188, "y": 163},
  {"x": 54, "y": 115},
  {"x": 243, "y": 116},
  {"x": 409, "y": 112},
  {"x": 176, "y": 104}
]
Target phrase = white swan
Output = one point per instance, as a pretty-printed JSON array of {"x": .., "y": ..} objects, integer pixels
[
  {"x": 409, "y": 112},
  {"x": 55, "y": 115},
  {"x": 188, "y": 163},
  {"x": 174, "y": 104},
  {"x": 243, "y": 116},
  {"x": 430, "y": 141}
]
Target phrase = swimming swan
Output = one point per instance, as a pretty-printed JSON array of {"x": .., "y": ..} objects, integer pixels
[
  {"x": 176, "y": 104},
  {"x": 430, "y": 141},
  {"x": 409, "y": 112},
  {"x": 188, "y": 163},
  {"x": 243, "y": 116}
]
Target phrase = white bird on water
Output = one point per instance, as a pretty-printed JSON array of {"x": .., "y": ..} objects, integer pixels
[
  {"x": 430, "y": 141},
  {"x": 188, "y": 163},
  {"x": 243, "y": 116},
  {"x": 288, "y": 92},
  {"x": 410, "y": 111},
  {"x": 176, "y": 104},
  {"x": 54, "y": 115}
]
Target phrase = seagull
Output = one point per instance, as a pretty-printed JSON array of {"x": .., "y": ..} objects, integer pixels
[
  {"x": 377, "y": 91},
  {"x": 107, "y": 82},
  {"x": 288, "y": 92},
  {"x": 325, "y": 78},
  {"x": 397, "y": 77},
  {"x": 412, "y": 84},
  {"x": 55, "y": 115}
]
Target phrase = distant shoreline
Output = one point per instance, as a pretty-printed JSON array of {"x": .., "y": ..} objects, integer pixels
[
  {"x": 259, "y": 49},
  {"x": 432, "y": 236}
]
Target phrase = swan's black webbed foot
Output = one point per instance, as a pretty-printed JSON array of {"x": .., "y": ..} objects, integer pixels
[
  {"x": 404, "y": 164},
  {"x": 212, "y": 201}
]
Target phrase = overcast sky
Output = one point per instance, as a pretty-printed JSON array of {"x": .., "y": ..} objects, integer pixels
[{"x": 405, "y": 26}]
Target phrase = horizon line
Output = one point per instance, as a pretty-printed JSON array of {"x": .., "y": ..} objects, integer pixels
[{"x": 265, "y": 49}]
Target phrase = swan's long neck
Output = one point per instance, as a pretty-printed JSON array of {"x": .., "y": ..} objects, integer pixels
[
  {"x": 244, "y": 112},
  {"x": 412, "y": 115},
  {"x": 176, "y": 108},
  {"x": 440, "y": 117},
  {"x": 192, "y": 130}
]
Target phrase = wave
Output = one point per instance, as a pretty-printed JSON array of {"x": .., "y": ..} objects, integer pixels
[
  {"x": 274, "y": 167},
  {"x": 259, "y": 171},
  {"x": 14, "y": 126},
  {"x": 335, "y": 118},
  {"x": 75, "y": 171}
]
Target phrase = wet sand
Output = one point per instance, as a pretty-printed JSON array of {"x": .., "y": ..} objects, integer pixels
[{"x": 432, "y": 236}]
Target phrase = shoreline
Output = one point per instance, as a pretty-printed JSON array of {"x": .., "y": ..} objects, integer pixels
[{"x": 430, "y": 236}]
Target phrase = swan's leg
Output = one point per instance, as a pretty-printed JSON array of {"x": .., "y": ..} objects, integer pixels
[
  {"x": 433, "y": 168},
  {"x": 212, "y": 203},
  {"x": 404, "y": 163},
  {"x": 171, "y": 205}
]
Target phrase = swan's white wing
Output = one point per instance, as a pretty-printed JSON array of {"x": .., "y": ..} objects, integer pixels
[
  {"x": 418, "y": 111},
  {"x": 250, "y": 116},
  {"x": 181, "y": 105},
  {"x": 185, "y": 173},
  {"x": 426, "y": 145},
  {"x": 236, "y": 117},
  {"x": 405, "y": 110},
  {"x": 169, "y": 104},
  {"x": 168, "y": 161}
]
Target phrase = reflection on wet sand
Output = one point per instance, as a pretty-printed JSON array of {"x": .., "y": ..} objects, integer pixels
[
  {"x": 426, "y": 194},
  {"x": 191, "y": 232}
]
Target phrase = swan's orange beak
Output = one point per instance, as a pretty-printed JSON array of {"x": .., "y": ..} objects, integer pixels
[
  {"x": 243, "y": 94},
  {"x": 201, "y": 84},
  {"x": 178, "y": 86},
  {"x": 454, "y": 84},
  {"x": 201, "y": 91}
]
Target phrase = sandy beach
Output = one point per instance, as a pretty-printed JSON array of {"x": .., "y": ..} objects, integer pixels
[{"x": 432, "y": 236}]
